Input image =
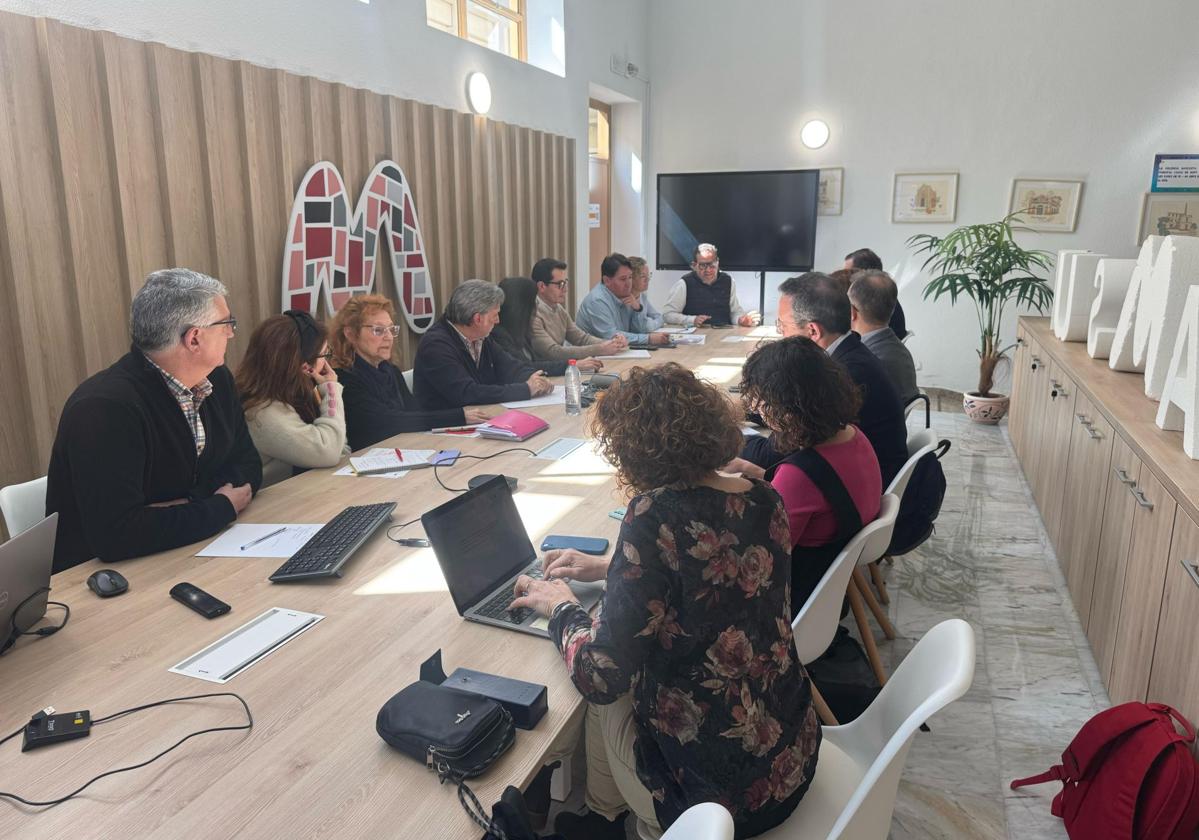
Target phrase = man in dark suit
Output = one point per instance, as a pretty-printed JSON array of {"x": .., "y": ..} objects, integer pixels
[
  {"x": 458, "y": 363},
  {"x": 864, "y": 259},
  {"x": 814, "y": 306},
  {"x": 872, "y": 297}
]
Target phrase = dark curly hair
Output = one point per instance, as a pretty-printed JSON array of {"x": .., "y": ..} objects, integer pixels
[
  {"x": 663, "y": 427},
  {"x": 801, "y": 393}
]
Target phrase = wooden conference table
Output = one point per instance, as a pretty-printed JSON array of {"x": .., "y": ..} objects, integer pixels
[{"x": 313, "y": 765}]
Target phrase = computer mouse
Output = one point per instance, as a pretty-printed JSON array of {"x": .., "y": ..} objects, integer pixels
[
  {"x": 483, "y": 478},
  {"x": 107, "y": 582}
]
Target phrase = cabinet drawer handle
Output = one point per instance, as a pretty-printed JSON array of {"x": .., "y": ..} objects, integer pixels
[
  {"x": 1139, "y": 495},
  {"x": 1019, "y": 341},
  {"x": 1054, "y": 388},
  {"x": 1094, "y": 434},
  {"x": 1035, "y": 362},
  {"x": 1192, "y": 569},
  {"x": 1082, "y": 420},
  {"x": 1122, "y": 476}
]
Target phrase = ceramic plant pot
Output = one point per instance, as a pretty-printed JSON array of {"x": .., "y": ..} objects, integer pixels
[{"x": 988, "y": 410}]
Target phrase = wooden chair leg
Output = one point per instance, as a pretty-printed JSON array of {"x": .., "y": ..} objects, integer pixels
[
  {"x": 880, "y": 615},
  {"x": 822, "y": 709},
  {"x": 859, "y": 614},
  {"x": 880, "y": 585}
]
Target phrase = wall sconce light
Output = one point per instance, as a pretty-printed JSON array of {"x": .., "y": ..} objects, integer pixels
[
  {"x": 478, "y": 93},
  {"x": 814, "y": 134}
]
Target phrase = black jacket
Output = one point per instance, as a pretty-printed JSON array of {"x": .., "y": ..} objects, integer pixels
[
  {"x": 378, "y": 405},
  {"x": 524, "y": 353},
  {"x": 898, "y": 322},
  {"x": 880, "y": 417},
  {"x": 447, "y": 377},
  {"x": 124, "y": 444}
]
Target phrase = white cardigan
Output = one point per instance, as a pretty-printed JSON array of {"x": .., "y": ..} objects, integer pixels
[{"x": 285, "y": 441}]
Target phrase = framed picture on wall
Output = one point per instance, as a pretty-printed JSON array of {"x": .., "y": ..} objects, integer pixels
[
  {"x": 924, "y": 197},
  {"x": 828, "y": 202},
  {"x": 1168, "y": 214},
  {"x": 1049, "y": 205}
]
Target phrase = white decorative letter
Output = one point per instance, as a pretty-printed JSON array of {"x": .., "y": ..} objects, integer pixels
[
  {"x": 1175, "y": 270},
  {"x": 1111, "y": 283},
  {"x": 1179, "y": 407},
  {"x": 1127, "y": 352},
  {"x": 1072, "y": 301}
]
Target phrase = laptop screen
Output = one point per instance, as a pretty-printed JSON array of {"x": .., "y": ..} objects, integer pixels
[{"x": 479, "y": 541}]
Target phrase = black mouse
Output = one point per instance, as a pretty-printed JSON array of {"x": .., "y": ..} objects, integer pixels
[
  {"x": 483, "y": 478},
  {"x": 107, "y": 582}
]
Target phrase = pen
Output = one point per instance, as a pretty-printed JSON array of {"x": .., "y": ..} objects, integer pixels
[
  {"x": 453, "y": 429},
  {"x": 399, "y": 454},
  {"x": 274, "y": 533}
]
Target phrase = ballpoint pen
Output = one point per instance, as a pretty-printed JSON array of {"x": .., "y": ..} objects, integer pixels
[{"x": 274, "y": 533}]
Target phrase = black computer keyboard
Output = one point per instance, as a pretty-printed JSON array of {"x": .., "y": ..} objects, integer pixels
[
  {"x": 330, "y": 547},
  {"x": 497, "y": 605}
]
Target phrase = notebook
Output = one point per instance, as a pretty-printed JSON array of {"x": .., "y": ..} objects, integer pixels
[{"x": 513, "y": 425}]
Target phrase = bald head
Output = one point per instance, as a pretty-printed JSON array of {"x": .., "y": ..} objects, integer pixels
[{"x": 873, "y": 295}]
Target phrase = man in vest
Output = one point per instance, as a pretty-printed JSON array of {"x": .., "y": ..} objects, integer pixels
[{"x": 706, "y": 295}]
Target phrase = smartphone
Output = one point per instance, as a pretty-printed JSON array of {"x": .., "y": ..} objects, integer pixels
[
  {"x": 618, "y": 513},
  {"x": 587, "y": 545},
  {"x": 199, "y": 600}
]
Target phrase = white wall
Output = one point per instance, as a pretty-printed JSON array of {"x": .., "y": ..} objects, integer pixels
[
  {"x": 386, "y": 46},
  {"x": 1067, "y": 88}
]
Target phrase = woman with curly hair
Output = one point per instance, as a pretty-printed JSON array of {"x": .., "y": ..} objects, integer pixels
[
  {"x": 828, "y": 474},
  {"x": 694, "y": 690}
]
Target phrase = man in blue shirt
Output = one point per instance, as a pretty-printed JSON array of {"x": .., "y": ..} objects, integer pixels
[{"x": 606, "y": 310}]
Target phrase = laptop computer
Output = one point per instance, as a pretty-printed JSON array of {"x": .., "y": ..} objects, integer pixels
[
  {"x": 25, "y": 564},
  {"x": 482, "y": 548}
]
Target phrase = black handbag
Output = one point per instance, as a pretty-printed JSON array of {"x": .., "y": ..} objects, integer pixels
[{"x": 457, "y": 735}]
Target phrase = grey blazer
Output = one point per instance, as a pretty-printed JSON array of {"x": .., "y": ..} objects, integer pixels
[{"x": 896, "y": 361}]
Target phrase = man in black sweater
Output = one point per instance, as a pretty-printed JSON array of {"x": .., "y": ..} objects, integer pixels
[
  {"x": 458, "y": 364},
  {"x": 153, "y": 453},
  {"x": 813, "y": 305}
]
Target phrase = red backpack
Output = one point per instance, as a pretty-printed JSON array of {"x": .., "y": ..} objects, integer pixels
[{"x": 1127, "y": 775}]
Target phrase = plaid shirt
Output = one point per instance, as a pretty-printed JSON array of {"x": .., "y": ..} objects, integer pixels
[
  {"x": 189, "y": 400},
  {"x": 475, "y": 347}
]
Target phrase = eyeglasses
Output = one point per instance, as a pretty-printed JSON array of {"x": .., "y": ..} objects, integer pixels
[
  {"x": 379, "y": 330},
  {"x": 561, "y": 284},
  {"x": 229, "y": 322},
  {"x": 704, "y": 266},
  {"x": 328, "y": 354}
]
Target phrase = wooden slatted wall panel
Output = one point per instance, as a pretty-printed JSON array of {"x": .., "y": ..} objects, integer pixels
[{"x": 118, "y": 157}]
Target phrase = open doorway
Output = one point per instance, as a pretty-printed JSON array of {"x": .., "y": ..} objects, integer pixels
[{"x": 599, "y": 182}]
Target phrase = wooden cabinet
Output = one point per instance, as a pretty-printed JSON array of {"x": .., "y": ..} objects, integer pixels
[
  {"x": 1018, "y": 413},
  {"x": 1034, "y": 398},
  {"x": 1144, "y": 578},
  {"x": 1174, "y": 677},
  {"x": 1053, "y": 460},
  {"x": 1100, "y": 616},
  {"x": 1084, "y": 497}
]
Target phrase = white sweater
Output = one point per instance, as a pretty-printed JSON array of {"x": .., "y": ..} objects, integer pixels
[{"x": 285, "y": 441}]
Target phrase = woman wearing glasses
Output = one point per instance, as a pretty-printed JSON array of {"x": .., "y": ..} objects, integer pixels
[
  {"x": 291, "y": 396},
  {"x": 379, "y": 403}
]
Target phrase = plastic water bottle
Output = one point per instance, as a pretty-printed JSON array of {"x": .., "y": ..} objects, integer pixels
[{"x": 574, "y": 389}]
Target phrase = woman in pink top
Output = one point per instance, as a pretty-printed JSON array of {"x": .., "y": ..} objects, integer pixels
[{"x": 829, "y": 477}]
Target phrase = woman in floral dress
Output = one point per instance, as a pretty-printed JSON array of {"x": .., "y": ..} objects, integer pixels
[{"x": 694, "y": 690}]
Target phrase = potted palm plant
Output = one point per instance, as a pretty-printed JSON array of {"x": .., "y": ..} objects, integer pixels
[{"x": 984, "y": 263}]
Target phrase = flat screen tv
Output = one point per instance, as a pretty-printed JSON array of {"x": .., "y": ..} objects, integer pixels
[{"x": 759, "y": 221}]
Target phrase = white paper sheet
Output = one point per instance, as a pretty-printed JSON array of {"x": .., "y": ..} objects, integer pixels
[
  {"x": 284, "y": 544},
  {"x": 690, "y": 339},
  {"x": 380, "y": 457},
  {"x": 675, "y": 330},
  {"x": 554, "y": 397},
  {"x": 628, "y": 354}
]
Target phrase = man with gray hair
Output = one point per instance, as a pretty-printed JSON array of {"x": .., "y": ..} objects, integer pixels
[
  {"x": 706, "y": 295},
  {"x": 153, "y": 452},
  {"x": 813, "y": 306},
  {"x": 458, "y": 364},
  {"x": 872, "y": 298}
]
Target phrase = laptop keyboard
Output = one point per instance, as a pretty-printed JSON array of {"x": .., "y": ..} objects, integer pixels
[{"x": 497, "y": 605}]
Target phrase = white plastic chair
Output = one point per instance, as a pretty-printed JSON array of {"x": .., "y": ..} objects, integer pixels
[
  {"x": 816, "y": 622},
  {"x": 408, "y": 380},
  {"x": 852, "y": 795},
  {"x": 706, "y": 821},
  {"x": 23, "y": 505},
  {"x": 921, "y": 399}
]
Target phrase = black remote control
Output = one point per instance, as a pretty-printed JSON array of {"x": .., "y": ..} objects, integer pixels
[{"x": 199, "y": 600}]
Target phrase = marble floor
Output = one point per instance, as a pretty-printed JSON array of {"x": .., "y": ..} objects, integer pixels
[{"x": 1035, "y": 681}]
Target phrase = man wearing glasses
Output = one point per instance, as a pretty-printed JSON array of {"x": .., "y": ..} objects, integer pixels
[
  {"x": 153, "y": 452},
  {"x": 555, "y": 334},
  {"x": 706, "y": 295}
]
